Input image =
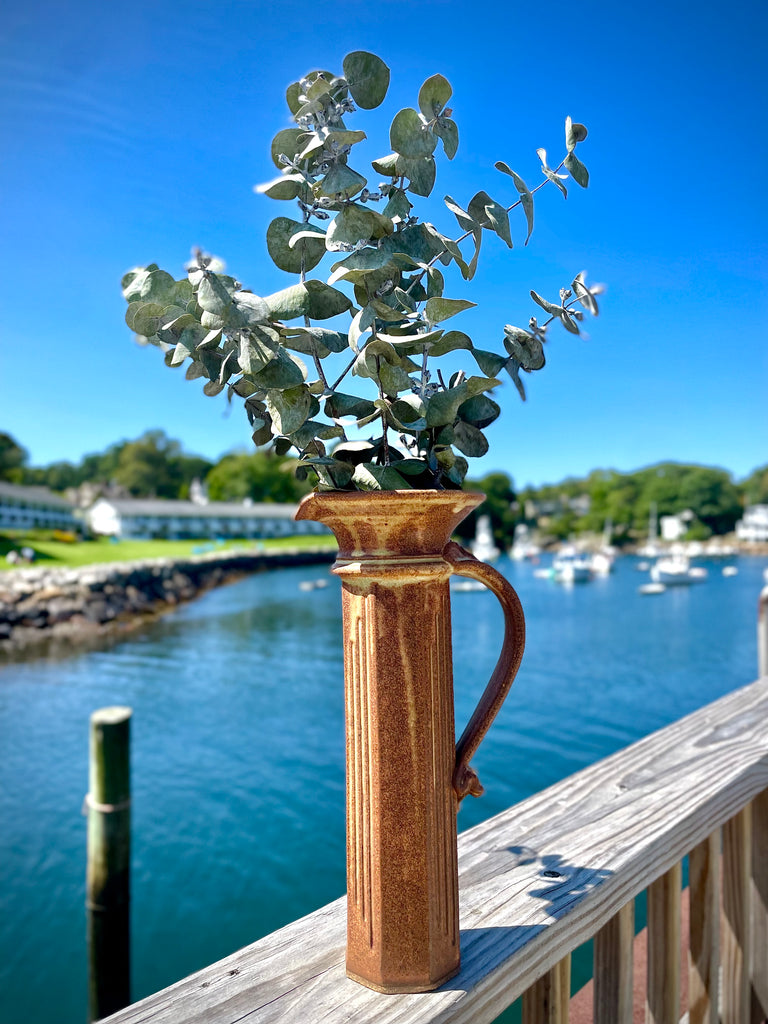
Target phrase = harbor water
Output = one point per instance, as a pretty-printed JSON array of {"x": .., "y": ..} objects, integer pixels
[{"x": 238, "y": 751}]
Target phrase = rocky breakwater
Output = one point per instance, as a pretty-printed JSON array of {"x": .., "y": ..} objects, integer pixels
[{"x": 39, "y": 604}]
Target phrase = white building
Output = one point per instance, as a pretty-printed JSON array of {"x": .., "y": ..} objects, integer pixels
[
  {"x": 150, "y": 517},
  {"x": 675, "y": 527},
  {"x": 753, "y": 528},
  {"x": 27, "y": 508}
]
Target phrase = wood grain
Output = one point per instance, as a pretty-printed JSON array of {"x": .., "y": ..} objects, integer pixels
[
  {"x": 547, "y": 1000},
  {"x": 535, "y": 882},
  {"x": 759, "y": 902},
  {"x": 662, "y": 1000},
  {"x": 704, "y": 946},
  {"x": 613, "y": 976}
]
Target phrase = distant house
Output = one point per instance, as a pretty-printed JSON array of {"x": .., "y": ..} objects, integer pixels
[
  {"x": 675, "y": 527},
  {"x": 153, "y": 518},
  {"x": 25, "y": 508},
  {"x": 753, "y": 527}
]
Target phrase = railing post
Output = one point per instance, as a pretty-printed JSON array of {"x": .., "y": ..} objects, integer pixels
[
  {"x": 737, "y": 855},
  {"x": 109, "y": 855},
  {"x": 614, "y": 947},
  {"x": 704, "y": 948},
  {"x": 762, "y": 633},
  {"x": 548, "y": 999},
  {"x": 662, "y": 1001},
  {"x": 759, "y": 901}
]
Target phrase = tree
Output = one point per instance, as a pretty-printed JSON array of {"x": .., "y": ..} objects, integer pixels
[
  {"x": 755, "y": 487},
  {"x": 155, "y": 466},
  {"x": 13, "y": 458},
  {"x": 262, "y": 476},
  {"x": 499, "y": 496}
]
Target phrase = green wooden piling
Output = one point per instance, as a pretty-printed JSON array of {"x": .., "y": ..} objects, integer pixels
[{"x": 109, "y": 857}]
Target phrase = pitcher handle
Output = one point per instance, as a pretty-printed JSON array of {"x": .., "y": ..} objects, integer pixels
[{"x": 463, "y": 563}]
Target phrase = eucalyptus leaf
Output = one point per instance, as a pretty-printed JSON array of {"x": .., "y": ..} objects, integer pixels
[
  {"x": 421, "y": 174},
  {"x": 548, "y": 307},
  {"x": 569, "y": 323},
  {"x": 469, "y": 440},
  {"x": 289, "y": 407},
  {"x": 439, "y": 309},
  {"x": 574, "y": 133},
  {"x": 370, "y": 477},
  {"x": 213, "y": 388},
  {"x": 434, "y": 95},
  {"x": 254, "y": 354},
  {"x": 214, "y": 293},
  {"x": 355, "y": 223},
  {"x": 367, "y": 77},
  {"x": 447, "y": 130},
  {"x": 289, "y": 258},
  {"x": 314, "y": 299},
  {"x": 489, "y": 362},
  {"x": 409, "y": 135},
  {"x": 392, "y": 165},
  {"x": 286, "y": 143},
  {"x": 583, "y": 294},
  {"x": 280, "y": 373},
  {"x": 450, "y": 342},
  {"x": 480, "y": 411},
  {"x": 466, "y": 221},
  {"x": 313, "y": 341},
  {"x": 443, "y": 406},
  {"x": 341, "y": 181},
  {"x": 398, "y": 206},
  {"x": 289, "y": 186},
  {"x": 292, "y": 97},
  {"x": 578, "y": 171},
  {"x": 339, "y": 405},
  {"x": 363, "y": 262}
]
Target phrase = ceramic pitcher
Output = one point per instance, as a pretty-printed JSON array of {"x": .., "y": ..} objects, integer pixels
[{"x": 405, "y": 774}]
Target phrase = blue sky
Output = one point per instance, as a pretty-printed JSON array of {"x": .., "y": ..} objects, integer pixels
[{"x": 131, "y": 133}]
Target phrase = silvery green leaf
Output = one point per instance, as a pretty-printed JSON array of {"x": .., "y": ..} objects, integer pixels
[
  {"x": 404, "y": 300},
  {"x": 329, "y": 138},
  {"x": 247, "y": 310},
  {"x": 146, "y": 319},
  {"x": 568, "y": 322},
  {"x": 526, "y": 349},
  {"x": 213, "y": 388},
  {"x": 180, "y": 353},
  {"x": 289, "y": 408},
  {"x": 457, "y": 471},
  {"x": 292, "y": 97},
  {"x": 388, "y": 314},
  {"x": 398, "y": 207},
  {"x": 421, "y": 174},
  {"x": 583, "y": 294},
  {"x": 480, "y": 411},
  {"x": 409, "y": 135},
  {"x": 314, "y": 430},
  {"x": 370, "y": 477},
  {"x": 512, "y": 369},
  {"x": 489, "y": 362},
  {"x": 211, "y": 339},
  {"x": 280, "y": 372},
  {"x": 491, "y": 215},
  {"x": 477, "y": 237},
  {"x": 361, "y": 322},
  {"x": 465, "y": 220},
  {"x": 279, "y": 235},
  {"x": 578, "y": 171},
  {"x": 414, "y": 242},
  {"x": 312, "y": 341},
  {"x": 367, "y": 77},
  {"x": 443, "y": 406},
  {"x": 574, "y": 133},
  {"x": 526, "y": 196},
  {"x": 547, "y": 170},
  {"x": 408, "y": 413},
  {"x": 449, "y": 342},
  {"x": 361, "y": 263},
  {"x": 243, "y": 387},
  {"x": 289, "y": 186},
  {"x": 549, "y": 307},
  {"x": 434, "y": 95},
  {"x": 212, "y": 321},
  {"x": 391, "y": 166},
  {"x": 214, "y": 293},
  {"x": 314, "y": 299},
  {"x": 393, "y": 379},
  {"x": 263, "y": 432},
  {"x": 195, "y": 370},
  {"x": 448, "y": 247},
  {"x": 341, "y": 181},
  {"x": 370, "y": 357},
  {"x": 339, "y": 405},
  {"x": 149, "y": 286},
  {"x": 469, "y": 440},
  {"x": 435, "y": 283},
  {"x": 287, "y": 142},
  {"x": 254, "y": 354},
  {"x": 446, "y": 129},
  {"x": 439, "y": 309},
  {"x": 355, "y": 223}
]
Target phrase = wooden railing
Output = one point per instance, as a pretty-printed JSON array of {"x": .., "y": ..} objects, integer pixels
[{"x": 543, "y": 877}]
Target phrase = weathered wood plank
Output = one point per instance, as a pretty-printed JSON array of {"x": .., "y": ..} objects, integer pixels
[
  {"x": 737, "y": 858},
  {"x": 613, "y": 976},
  {"x": 547, "y": 1000},
  {"x": 704, "y": 946},
  {"x": 759, "y": 901},
  {"x": 536, "y": 881},
  {"x": 662, "y": 999}
]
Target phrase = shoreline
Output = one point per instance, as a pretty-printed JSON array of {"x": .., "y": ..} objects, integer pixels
[{"x": 39, "y": 606}]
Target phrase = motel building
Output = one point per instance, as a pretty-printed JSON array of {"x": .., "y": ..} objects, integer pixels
[
  {"x": 175, "y": 520},
  {"x": 34, "y": 508}
]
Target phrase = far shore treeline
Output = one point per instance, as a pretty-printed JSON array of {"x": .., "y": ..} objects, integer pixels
[{"x": 155, "y": 465}]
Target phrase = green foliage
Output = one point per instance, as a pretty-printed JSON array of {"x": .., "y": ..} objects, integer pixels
[
  {"x": 155, "y": 465},
  {"x": 261, "y": 476},
  {"x": 755, "y": 487},
  {"x": 417, "y": 423},
  {"x": 499, "y": 500},
  {"x": 12, "y": 459}
]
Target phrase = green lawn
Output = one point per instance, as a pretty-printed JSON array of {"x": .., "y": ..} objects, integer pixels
[{"x": 52, "y": 553}]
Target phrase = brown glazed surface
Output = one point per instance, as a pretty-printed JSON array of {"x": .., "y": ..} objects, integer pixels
[{"x": 402, "y": 899}]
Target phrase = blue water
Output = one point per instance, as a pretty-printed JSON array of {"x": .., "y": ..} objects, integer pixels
[{"x": 238, "y": 752}]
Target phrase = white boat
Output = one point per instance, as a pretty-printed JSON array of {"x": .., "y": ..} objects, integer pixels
[
  {"x": 463, "y": 586},
  {"x": 652, "y": 548},
  {"x": 601, "y": 562},
  {"x": 483, "y": 547},
  {"x": 676, "y": 570},
  {"x": 730, "y": 570},
  {"x": 522, "y": 545},
  {"x": 651, "y": 588},
  {"x": 571, "y": 567}
]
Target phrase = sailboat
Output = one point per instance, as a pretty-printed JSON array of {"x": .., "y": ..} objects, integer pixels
[{"x": 652, "y": 548}]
